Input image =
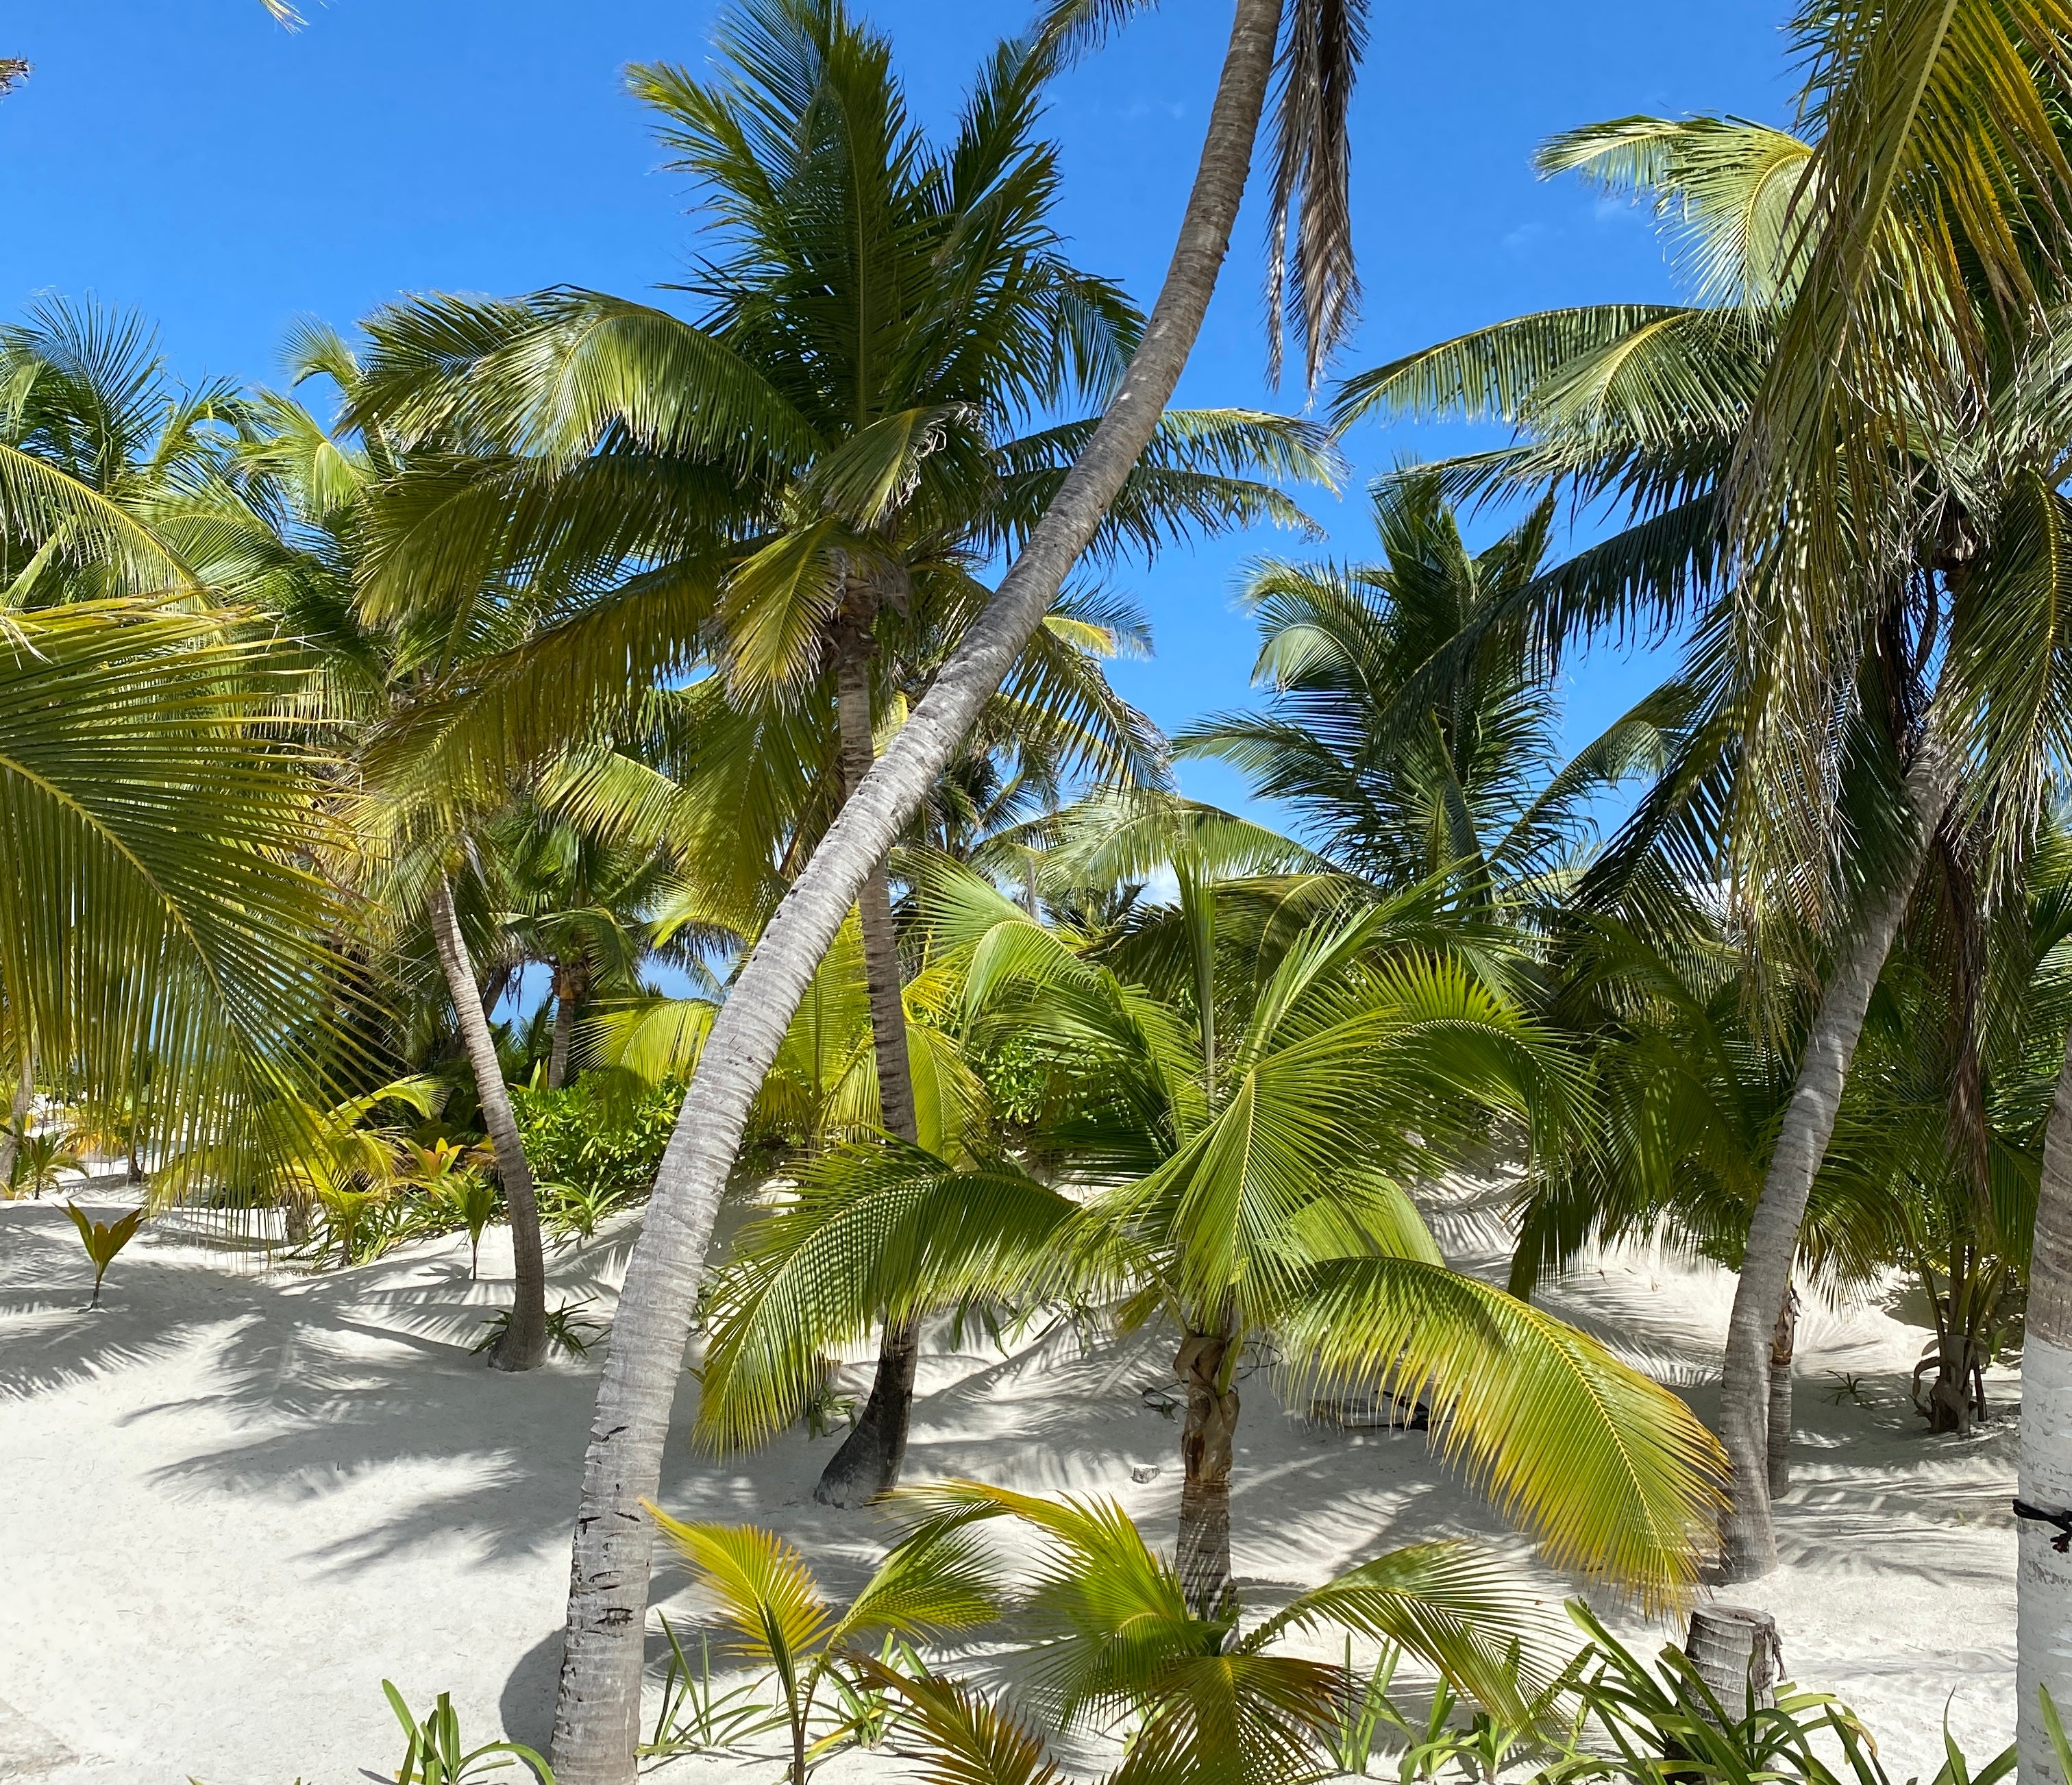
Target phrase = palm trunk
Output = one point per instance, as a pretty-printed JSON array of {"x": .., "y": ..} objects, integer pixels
[
  {"x": 18, "y": 1115},
  {"x": 568, "y": 994},
  {"x": 867, "y": 1465},
  {"x": 598, "y": 1712},
  {"x": 1783, "y": 1341},
  {"x": 1203, "y": 1554},
  {"x": 2043, "y": 1574},
  {"x": 1751, "y": 1545},
  {"x": 524, "y": 1344}
]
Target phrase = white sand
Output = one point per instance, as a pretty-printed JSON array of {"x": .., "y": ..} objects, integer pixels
[{"x": 230, "y": 1503}]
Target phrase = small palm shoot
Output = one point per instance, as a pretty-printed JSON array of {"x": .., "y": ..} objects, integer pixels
[
  {"x": 1117, "y": 1644},
  {"x": 103, "y": 1239},
  {"x": 41, "y": 1158},
  {"x": 567, "y": 1327},
  {"x": 453, "y": 1175},
  {"x": 694, "y": 1717},
  {"x": 435, "y": 1756},
  {"x": 938, "y": 1581}
]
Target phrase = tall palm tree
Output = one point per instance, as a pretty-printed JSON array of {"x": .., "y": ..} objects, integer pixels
[
  {"x": 1227, "y": 1148},
  {"x": 1674, "y": 410},
  {"x": 293, "y": 529},
  {"x": 597, "y": 1717},
  {"x": 800, "y": 485}
]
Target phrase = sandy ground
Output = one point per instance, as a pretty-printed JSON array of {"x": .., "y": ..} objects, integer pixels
[{"x": 231, "y": 1502}]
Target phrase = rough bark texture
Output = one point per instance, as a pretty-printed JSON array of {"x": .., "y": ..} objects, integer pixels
[
  {"x": 524, "y": 1344},
  {"x": 2043, "y": 1578},
  {"x": 1750, "y": 1539},
  {"x": 597, "y": 1713},
  {"x": 569, "y": 988},
  {"x": 1736, "y": 1650},
  {"x": 1783, "y": 1341},
  {"x": 868, "y": 1464},
  {"x": 24, "y": 1101},
  {"x": 1202, "y": 1553}
]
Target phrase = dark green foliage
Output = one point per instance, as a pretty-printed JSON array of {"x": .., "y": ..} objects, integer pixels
[{"x": 603, "y": 1143}]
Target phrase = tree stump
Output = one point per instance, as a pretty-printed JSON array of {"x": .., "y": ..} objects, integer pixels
[{"x": 1734, "y": 1651}]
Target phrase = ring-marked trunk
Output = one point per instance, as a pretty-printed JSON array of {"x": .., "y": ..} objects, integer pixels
[
  {"x": 523, "y": 1344},
  {"x": 23, "y": 1101},
  {"x": 1750, "y": 1537},
  {"x": 868, "y": 1464},
  {"x": 1203, "y": 1554},
  {"x": 597, "y": 1713},
  {"x": 569, "y": 988},
  {"x": 2043, "y": 1574},
  {"x": 1783, "y": 1341}
]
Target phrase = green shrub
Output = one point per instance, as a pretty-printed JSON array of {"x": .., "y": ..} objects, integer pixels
[{"x": 605, "y": 1144}]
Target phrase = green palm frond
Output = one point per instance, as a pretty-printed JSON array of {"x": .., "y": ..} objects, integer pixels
[
  {"x": 157, "y": 908},
  {"x": 870, "y": 1227},
  {"x": 1613, "y": 1473}
]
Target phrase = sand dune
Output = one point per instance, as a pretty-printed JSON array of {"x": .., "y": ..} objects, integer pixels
[{"x": 233, "y": 1501}]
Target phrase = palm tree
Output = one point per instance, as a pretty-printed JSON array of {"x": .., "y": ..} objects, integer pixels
[
  {"x": 883, "y": 390},
  {"x": 296, "y": 526},
  {"x": 1227, "y": 1148},
  {"x": 1672, "y": 409},
  {"x": 337, "y": 1163},
  {"x": 1413, "y": 713},
  {"x": 597, "y": 1721},
  {"x": 885, "y": 322},
  {"x": 41, "y": 1158},
  {"x": 582, "y": 906},
  {"x": 1111, "y": 1635}
]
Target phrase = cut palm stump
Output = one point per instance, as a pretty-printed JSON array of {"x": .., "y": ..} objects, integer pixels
[{"x": 1734, "y": 1651}]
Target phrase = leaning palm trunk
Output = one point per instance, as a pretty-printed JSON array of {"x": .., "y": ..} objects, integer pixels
[
  {"x": 868, "y": 1463},
  {"x": 1202, "y": 1553},
  {"x": 2043, "y": 1573},
  {"x": 1750, "y": 1546},
  {"x": 597, "y": 1714},
  {"x": 523, "y": 1343}
]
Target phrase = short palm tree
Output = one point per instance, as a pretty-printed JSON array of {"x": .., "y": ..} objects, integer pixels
[
  {"x": 41, "y": 1158},
  {"x": 334, "y": 1164},
  {"x": 1239, "y": 1171},
  {"x": 1113, "y": 1645},
  {"x": 1111, "y": 1640}
]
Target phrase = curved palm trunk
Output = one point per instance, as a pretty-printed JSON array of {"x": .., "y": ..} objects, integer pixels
[
  {"x": 2043, "y": 1574},
  {"x": 568, "y": 998},
  {"x": 868, "y": 1463},
  {"x": 597, "y": 1714},
  {"x": 524, "y": 1344},
  {"x": 1203, "y": 1554},
  {"x": 1750, "y": 1546}
]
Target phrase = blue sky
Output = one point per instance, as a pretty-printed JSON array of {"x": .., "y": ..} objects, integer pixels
[{"x": 195, "y": 162}]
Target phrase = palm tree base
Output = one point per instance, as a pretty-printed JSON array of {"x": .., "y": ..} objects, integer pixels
[{"x": 867, "y": 1466}]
